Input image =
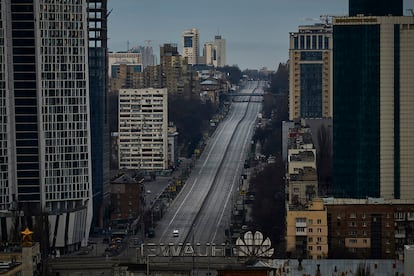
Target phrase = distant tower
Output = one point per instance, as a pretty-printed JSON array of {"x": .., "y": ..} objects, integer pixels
[
  {"x": 373, "y": 103},
  {"x": 310, "y": 81},
  {"x": 191, "y": 45},
  {"x": 208, "y": 53},
  {"x": 219, "y": 57}
]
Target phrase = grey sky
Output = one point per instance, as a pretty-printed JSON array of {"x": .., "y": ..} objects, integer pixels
[{"x": 256, "y": 32}]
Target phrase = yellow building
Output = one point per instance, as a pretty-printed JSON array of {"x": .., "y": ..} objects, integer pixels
[{"x": 307, "y": 231}]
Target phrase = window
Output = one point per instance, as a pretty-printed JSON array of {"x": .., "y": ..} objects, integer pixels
[
  {"x": 319, "y": 230},
  {"x": 319, "y": 221},
  {"x": 319, "y": 248},
  {"x": 300, "y": 220},
  {"x": 310, "y": 230},
  {"x": 310, "y": 221},
  {"x": 314, "y": 42},
  {"x": 399, "y": 215},
  {"x": 310, "y": 239},
  {"x": 352, "y": 224},
  {"x": 319, "y": 239},
  {"x": 300, "y": 229},
  {"x": 326, "y": 44}
]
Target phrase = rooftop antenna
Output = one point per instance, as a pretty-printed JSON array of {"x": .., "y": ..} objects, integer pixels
[
  {"x": 108, "y": 13},
  {"x": 127, "y": 45}
]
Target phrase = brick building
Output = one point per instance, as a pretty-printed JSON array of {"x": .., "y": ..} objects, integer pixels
[{"x": 369, "y": 228}]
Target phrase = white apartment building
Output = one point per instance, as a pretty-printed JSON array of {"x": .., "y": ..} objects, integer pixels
[
  {"x": 191, "y": 45},
  {"x": 143, "y": 129}
]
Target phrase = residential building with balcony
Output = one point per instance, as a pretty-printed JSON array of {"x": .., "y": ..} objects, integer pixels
[
  {"x": 301, "y": 176},
  {"x": 371, "y": 228},
  {"x": 143, "y": 129},
  {"x": 307, "y": 231}
]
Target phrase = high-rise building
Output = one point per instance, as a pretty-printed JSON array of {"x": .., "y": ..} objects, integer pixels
[
  {"x": 208, "y": 53},
  {"x": 373, "y": 104},
  {"x": 375, "y": 7},
  {"x": 310, "y": 81},
  {"x": 45, "y": 146},
  {"x": 215, "y": 52},
  {"x": 148, "y": 57},
  {"x": 98, "y": 85},
  {"x": 191, "y": 45},
  {"x": 174, "y": 68},
  {"x": 219, "y": 57},
  {"x": 143, "y": 129}
]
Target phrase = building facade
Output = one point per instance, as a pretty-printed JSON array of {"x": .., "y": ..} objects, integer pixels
[
  {"x": 98, "y": 86},
  {"x": 219, "y": 57},
  {"x": 215, "y": 52},
  {"x": 302, "y": 179},
  {"x": 371, "y": 228},
  {"x": 310, "y": 81},
  {"x": 191, "y": 45},
  {"x": 126, "y": 203},
  {"x": 143, "y": 129},
  {"x": 45, "y": 146},
  {"x": 132, "y": 58},
  {"x": 307, "y": 231},
  {"x": 373, "y": 114}
]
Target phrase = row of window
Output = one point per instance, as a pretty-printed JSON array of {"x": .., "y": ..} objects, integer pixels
[
  {"x": 311, "y": 42},
  {"x": 310, "y": 230}
]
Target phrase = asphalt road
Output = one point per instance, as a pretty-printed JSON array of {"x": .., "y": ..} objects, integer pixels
[{"x": 201, "y": 211}]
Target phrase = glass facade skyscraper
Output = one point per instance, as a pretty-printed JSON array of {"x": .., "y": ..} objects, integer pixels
[
  {"x": 98, "y": 85},
  {"x": 373, "y": 99}
]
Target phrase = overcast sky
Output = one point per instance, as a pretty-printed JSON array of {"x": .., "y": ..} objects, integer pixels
[{"x": 256, "y": 32}]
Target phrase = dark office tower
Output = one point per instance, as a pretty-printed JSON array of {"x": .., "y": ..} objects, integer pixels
[
  {"x": 45, "y": 119},
  {"x": 98, "y": 83},
  {"x": 373, "y": 106},
  {"x": 376, "y": 7}
]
